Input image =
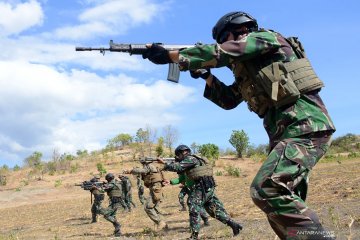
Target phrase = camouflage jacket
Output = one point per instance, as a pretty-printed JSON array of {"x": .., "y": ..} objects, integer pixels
[
  {"x": 308, "y": 114},
  {"x": 181, "y": 167}
]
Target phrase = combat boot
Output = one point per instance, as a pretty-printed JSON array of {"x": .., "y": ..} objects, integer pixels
[
  {"x": 194, "y": 236},
  {"x": 117, "y": 226},
  {"x": 94, "y": 219},
  {"x": 206, "y": 222},
  {"x": 161, "y": 225},
  {"x": 183, "y": 209},
  {"x": 236, "y": 227}
]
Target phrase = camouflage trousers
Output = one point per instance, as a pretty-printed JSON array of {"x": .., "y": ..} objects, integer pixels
[
  {"x": 198, "y": 201},
  {"x": 152, "y": 203},
  {"x": 128, "y": 200},
  {"x": 95, "y": 208},
  {"x": 280, "y": 186},
  {"x": 109, "y": 213},
  {"x": 185, "y": 191},
  {"x": 141, "y": 191}
]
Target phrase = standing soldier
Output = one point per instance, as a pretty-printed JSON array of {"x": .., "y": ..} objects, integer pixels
[
  {"x": 127, "y": 194},
  {"x": 140, "y": 187},
  {"x": 153, "y": 179},
  {"x": 274, "y": 76},
  {"x": 185, "y": 190},
  {"x": 98, "y": 198},
  {"x": 113, "y": 190},
  {"x": 202, "y": 191}
]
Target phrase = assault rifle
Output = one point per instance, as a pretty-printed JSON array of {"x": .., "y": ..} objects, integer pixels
[
  {"x": 154, "y": 159},
  {"x": 88, "y": 185},
  {"x": 139, "y": 49}
]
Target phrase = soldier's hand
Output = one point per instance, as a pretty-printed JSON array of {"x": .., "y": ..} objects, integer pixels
[
  {"x": 165, "y": 182},
  {"x": 160, "y": 160},
  {"x": 157, "y": 54}
]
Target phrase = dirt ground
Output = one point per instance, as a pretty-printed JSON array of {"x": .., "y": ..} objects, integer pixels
[{"x": 53, "y": 208}]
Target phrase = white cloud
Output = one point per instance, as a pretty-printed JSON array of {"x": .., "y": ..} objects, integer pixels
[
  {"x": 15, "y": 18},
  {"x": 111, "y": 17},
  {"x": 43, "y": 109}
]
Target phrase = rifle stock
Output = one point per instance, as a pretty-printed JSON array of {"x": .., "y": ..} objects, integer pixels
[{"x": 139, "y": 49}]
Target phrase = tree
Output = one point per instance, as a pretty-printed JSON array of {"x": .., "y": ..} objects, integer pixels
[
  {"x": 194, "y": 147},
  {"x": 121, "y": 140},
  {"x": 160, "y": 146},
  {"x": 33, "y": 160},
  {"x": 209, "y": 150},
  {"x": 240, "y": 141},
  {"x": 171, "y": 136},
  {"x": 141, "y": 137},
  {"x": 152, "y": 132}
]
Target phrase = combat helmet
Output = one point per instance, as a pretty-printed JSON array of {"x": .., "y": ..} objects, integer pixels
[
  {"x": 230, "y": 20},
  {"x": 181, "y": 148},
  {"x": 109, "y": 177}
]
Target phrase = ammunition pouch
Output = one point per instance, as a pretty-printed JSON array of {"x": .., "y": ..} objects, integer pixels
[
  {"x": 200, "y": 171},
  {"x": 152, "y": 178},
  {"x": 277, "y": 84},
  {"x": 99, "y": 197},
  {"x": 284, "y": 82},
  {"x": 207, "y": 182},
  {"x": 115, "y": 200}
]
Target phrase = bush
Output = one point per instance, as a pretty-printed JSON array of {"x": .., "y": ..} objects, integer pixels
[
  {"x": 233, "y": 171},
  {"x": 58, "y": 183},
  {"x": 100, "y": 167}
]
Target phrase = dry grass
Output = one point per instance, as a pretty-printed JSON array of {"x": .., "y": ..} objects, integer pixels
[{"x": 39, "y": 210}]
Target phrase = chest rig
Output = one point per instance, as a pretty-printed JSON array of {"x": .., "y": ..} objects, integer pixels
[{"x": 276, "y": 84}]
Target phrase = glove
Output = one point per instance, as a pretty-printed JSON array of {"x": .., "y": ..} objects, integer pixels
[
  {"x": 157, "y": 54},
  {"x": 200, "y": 73}
]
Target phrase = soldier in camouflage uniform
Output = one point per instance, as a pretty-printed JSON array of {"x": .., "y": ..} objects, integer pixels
[
  {"x": 274, "y": 77},
  {"x": 185, "y": 190},
  {"x": 113, "y": 190},
  {"x": 98, "y": 198},
  {"x": 202, "y": 191},
  {"x": 127, "y": 194},
  {"x": 140, "y": 187},
  {"x": 153, "y": 179}
]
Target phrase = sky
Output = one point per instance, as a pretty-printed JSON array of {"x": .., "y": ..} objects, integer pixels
[{"x": 54, "y": 98}]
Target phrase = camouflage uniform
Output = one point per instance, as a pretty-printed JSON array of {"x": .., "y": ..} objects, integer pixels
[
  {"x": 152, "y": 177},
  {"x": 96, "y": 206},
  {"x": 127, "y": 194},
  {"x": 141, "y": 190},
  {"x": 299, "y": 132},
  {"x": 185, "y": 190},
  {"x": 113, "y": 190},
  {"x": 201, "y": 195}
]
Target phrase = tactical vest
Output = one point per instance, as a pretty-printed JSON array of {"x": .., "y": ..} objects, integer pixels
[
  {"x": 116, "y": 191},
  {"x": 277, "y": 84},
  {"x": 205, "y": 169},
  {"x": 153, "y": 177}
]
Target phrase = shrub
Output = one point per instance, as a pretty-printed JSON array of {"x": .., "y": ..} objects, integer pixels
[{"x": 233, "y": 171}]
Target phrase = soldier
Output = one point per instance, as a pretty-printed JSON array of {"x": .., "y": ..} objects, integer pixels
[
  {"x": 113, "y": 190},
  {"x": 140, "y": 187},
  {"x": 98, "y": 198},
  {"x": 185, "y": 190},
  {"x": 202, "y": 191},
  {"x": 274, "y": 77},
  {"x": 127, "y": 194},
  {"x": 153, "y": 179}
]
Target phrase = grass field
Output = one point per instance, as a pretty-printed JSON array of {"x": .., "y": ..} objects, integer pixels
[{"x": 53, "y": 208}]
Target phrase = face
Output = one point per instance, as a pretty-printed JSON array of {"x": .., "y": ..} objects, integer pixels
[{"x": 239, "y": 32}]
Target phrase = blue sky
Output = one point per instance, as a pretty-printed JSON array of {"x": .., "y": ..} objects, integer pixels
[{"x": 53, "y": 98}]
